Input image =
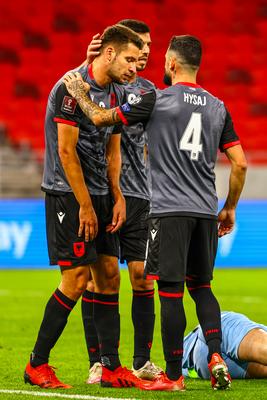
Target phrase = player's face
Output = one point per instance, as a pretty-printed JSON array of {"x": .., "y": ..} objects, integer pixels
[
  {"x": 123, "y": 66},
  {"x": 167, "y": 79},
  {"x": 144, "y": 53}
]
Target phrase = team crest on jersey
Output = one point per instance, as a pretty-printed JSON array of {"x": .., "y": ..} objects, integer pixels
[
  {"x": 69, "y": 105},
  {"x": 79, "y": 249},
  {"x": 133, "y": 99},
  {"x": 125, "y": 107}
]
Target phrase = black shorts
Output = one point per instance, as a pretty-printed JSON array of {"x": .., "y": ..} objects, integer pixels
[
  {"x": 65, "y": 248},
  {"x": 133, "y": 234},
  {"x": 180, "y": 246}
]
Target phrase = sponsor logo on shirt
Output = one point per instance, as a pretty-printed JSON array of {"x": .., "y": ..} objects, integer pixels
[
  {"x": 133, "y": 99},
  {"x": 68, "y": 105}
]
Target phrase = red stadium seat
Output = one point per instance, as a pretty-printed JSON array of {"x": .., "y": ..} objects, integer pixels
[{"x": 234, "y": 52}]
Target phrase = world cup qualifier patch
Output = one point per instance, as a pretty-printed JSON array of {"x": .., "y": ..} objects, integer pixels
[{"x": 68, "y": 105}]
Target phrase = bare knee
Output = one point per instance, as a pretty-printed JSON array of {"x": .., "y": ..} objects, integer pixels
[
  {"x": 106, "y": 275},
  {"x": 136, "y": 271},
  {"x": 74, "y": 282}
]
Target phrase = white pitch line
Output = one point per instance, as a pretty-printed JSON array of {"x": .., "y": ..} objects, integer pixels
[{"x": 60, "y": 395}]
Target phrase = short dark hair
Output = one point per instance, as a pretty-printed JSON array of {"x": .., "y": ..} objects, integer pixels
[
  {"x": 120, "y": 36},
  {"x": 135, "y": 25},
  {"x": 188, "y": 48}
]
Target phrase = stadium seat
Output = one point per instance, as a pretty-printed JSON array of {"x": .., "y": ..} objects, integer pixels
[{"x": 39, "y": 44}]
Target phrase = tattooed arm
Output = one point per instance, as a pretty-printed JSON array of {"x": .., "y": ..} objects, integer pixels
[{"x": 78, "y": 89}]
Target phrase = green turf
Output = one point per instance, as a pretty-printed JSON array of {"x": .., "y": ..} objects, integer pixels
[{"x": 23, "y": 295}]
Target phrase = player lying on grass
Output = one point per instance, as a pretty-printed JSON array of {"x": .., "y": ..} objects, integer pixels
[{"x": 244, "y": 349}]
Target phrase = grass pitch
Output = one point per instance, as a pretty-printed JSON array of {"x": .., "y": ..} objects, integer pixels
[{"x": 23, "y": 296}]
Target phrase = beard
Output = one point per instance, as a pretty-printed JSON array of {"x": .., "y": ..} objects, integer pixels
[
  {"x": 115, "y": 78},
  {"x": 167, "y": 79}
]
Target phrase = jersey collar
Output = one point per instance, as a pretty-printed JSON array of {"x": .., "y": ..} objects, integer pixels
[
  {"x": 188, "y": 84},
  {"x": 90, "y": 72}
]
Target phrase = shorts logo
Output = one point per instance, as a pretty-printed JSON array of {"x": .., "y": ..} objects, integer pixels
[
  {"x": 61, "y": 216},
  {"x": 153, "y": 234},
  {"x": 69, "y": 104},
  {"x": 79, "y": 249}
]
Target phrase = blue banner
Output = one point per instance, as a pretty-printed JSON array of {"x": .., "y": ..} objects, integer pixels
[{"x": 23, "y": 237}]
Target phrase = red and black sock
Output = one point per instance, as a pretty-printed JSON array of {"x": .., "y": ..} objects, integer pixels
[
  {"x": 107, "y": 323},
  {"x": 173, "y": 323},
  {"x": 208, "y": 313},
  {"x": 54, "y": 321},
  {"x": 143, "y": 318},
  {"x": 90, "y": 332}
]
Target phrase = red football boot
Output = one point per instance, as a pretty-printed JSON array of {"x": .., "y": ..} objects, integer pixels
[
  {"x": 162, "y": 382},
  {"x": 43, "y": 376},
  {"x": 122, "y": 378},
  {"x": 220, "y": 377}
]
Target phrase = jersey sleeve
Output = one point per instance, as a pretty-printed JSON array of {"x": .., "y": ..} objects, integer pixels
[
  {"x": 67, "y": 109},
  {"x": 229, "y": 137},
  {"x": 138, "y": 110}
]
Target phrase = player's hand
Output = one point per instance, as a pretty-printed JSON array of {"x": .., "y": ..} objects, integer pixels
[
  {"x": 75, "y": 84},
  {"x": 119, "y": 215},
  {"x": 226, "y": 221},
  {"x": 88, "y": 223},
  {"x": 93, "y": 48}
]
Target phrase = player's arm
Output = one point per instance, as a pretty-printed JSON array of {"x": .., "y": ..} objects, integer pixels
[
  {"x": 67, "y": 140},
  {"x": 67, "y": 119},
  {"x": 114, "y": 171},
  {"x": 127, "y": 114},
  {"x": 231, "y": 145}
]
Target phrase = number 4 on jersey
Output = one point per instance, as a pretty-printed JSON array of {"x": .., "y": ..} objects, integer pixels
[{"x": 190, "y": 140}]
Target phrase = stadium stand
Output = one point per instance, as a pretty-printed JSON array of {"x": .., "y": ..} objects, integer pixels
[{"x": 39, "y": 44}]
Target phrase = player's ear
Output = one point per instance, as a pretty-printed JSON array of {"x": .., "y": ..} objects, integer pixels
[
  {"x": 109, "y": 53},
  {"x": 172, "y": 64}
]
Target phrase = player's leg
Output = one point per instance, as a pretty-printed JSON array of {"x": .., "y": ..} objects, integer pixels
[
  {"x": 74, "y": 256},
  {"x": 169, "y": 239},
  {"x": 107, "y": 322},
  {"x": 104, "y": 283},
  {"x": 200, "y": 265},
  {"x": 256, "y": 371},
  {"x": 133, "y": 239},
  {"x": 253, "y": 347},
  {"x": 143, "y": 317},
  {"x": 90, "y": 333},
  {"x": 244, "y": 345}
]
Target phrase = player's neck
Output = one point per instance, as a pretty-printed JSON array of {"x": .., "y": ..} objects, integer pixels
[
  {"x": 99, "y": 73},
  {"x": 189, "y": 78},
  {"x": 133, "y": 79}
]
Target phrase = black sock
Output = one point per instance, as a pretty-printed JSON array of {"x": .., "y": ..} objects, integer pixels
[
  {"x": 173, "y": 370},
  {"x": 173, "y": 323},
  {"x": 107, "y": 322},
  {"x": 143, "y": 318},
  {"x": 214, "y": 346},
  {"x": 54, "y": 321},
  {"x": 209, "y": 316},
  {"x": 90, "y": 333}
]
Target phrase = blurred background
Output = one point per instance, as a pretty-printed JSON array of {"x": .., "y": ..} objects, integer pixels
[{"x": 39, "y": 42}]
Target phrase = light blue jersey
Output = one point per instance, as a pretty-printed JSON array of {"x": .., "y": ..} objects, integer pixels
[{"x": 235, "y": 326}]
